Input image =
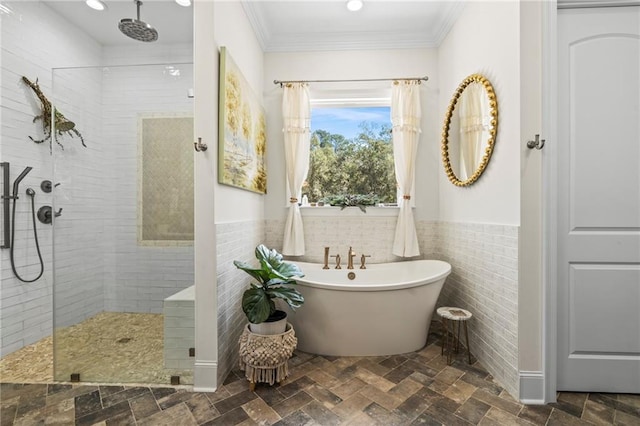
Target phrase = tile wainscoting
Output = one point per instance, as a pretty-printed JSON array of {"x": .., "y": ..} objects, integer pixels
[
  {"x": 369, "y": 235},
  {"x": 484, "y": 280},
  {"x": 236, "y": 241}
]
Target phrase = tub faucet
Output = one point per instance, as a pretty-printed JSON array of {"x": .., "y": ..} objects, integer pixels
[
  {"x": 326, "y": 258},
  {"x": 352, "y": 254},
  {"x": 363, "y": 259},
  {"x": 337, "y": 256}
]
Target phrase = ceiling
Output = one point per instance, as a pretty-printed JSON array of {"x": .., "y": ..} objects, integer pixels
[
  {"x": 174, "y": 23},
  {"x": 300, "y": 25}
]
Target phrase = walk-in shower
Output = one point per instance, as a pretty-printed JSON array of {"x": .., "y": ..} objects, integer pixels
[
  {"x": 114, "y": 215},
  {"x": 125, "y": 241}
]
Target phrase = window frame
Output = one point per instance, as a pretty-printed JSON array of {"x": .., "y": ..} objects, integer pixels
[
  {"x": 345, "y": 98},
  {"x": 358, "y": 102}
]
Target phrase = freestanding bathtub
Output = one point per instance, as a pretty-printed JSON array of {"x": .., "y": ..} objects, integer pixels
[{"x": 385, "y": 309}]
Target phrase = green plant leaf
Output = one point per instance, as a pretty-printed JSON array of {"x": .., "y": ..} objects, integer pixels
[
  {"x": 273, "y": 275},
  {"x": 290, "y": 270},
  {"x": 278, "y": 281},
  {"x": 257, "y": 305},
  {"x": 256, "y": 273},
  {"x": 352, "y": 200},
  {"x": 271, "y": 256},
  {"x": 291, "y": 296},
  {"x": 275, "y": 268}
]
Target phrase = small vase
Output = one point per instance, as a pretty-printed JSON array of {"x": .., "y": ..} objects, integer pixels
[{"x": 275, "y": 324}]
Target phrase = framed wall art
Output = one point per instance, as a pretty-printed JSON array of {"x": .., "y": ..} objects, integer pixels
[{"x": 242, "y": 139}]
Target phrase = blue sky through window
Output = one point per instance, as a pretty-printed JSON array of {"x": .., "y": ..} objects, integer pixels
[{"x": 346, "y": 120}]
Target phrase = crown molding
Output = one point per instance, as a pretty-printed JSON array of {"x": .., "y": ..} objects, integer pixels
[
  {"x": 450, "y": 17},
  {"x": 347, "y": 41},
  {"x": 272, "y": 41},
  {"x": 254, "y": 13}
]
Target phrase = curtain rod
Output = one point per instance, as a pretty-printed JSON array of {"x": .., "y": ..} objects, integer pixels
[{"x": 281, "y": 82}]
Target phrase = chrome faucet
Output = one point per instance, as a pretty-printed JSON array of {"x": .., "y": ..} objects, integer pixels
[{"x": 351, "y": 255}]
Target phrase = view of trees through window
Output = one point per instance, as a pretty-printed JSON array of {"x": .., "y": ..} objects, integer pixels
[{"x": 351, "y": 154}]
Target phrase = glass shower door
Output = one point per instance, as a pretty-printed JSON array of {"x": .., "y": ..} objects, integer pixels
[{"x": 123, "y": 241}]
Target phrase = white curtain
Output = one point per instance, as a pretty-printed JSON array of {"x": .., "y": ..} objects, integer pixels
[
  {"x": 296, "y": 114},
  {"x": 405, "y": 121},
  {"x": 473, "y": 102}
]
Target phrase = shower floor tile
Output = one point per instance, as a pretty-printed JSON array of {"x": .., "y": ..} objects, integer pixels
[{"x": 108, "y": 347}]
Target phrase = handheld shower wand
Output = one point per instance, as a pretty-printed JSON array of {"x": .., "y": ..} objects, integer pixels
[
  {"x": 31, "y": 193},
  {"x": 16, "y": 183},
  {"x": 7, "y": 197}
]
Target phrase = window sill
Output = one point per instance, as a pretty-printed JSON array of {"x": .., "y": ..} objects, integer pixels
[{"x": 329, "y": 211}]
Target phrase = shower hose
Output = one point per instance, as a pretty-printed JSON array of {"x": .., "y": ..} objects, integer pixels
[{"x": 31, "y": 193}]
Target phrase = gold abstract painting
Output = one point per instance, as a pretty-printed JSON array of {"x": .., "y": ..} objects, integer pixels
[{"x": 243, "y": 135}]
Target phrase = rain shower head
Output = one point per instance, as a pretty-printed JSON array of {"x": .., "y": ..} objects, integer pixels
[{"x": 137, "y": 29}]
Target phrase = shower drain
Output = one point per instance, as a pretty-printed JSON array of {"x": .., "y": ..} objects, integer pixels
[{"x": 124, "y": 340}]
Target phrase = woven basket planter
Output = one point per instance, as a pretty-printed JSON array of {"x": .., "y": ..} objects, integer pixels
[{"x": 264, "y": 358}]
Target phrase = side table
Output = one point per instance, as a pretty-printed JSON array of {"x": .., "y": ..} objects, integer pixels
[
  {"x": 455, "y": 316},
  {"x": 264, "y": 358}
]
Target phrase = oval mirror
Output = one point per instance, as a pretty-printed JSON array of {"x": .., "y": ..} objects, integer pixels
[{"x": 469, "y": 130}]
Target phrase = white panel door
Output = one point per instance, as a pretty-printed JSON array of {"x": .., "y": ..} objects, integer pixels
[{"x": 599, "y": 199}]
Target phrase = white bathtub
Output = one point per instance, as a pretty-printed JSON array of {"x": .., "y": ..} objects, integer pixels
[{"x": 386, "y": 309}]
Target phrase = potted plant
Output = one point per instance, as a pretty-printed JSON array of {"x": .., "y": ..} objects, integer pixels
[
  {"x": 352, "y": 200},
  {"x": 274, "y": 280}
]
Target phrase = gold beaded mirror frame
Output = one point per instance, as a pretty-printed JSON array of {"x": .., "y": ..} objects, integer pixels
[{"x": 478, "y": 119}]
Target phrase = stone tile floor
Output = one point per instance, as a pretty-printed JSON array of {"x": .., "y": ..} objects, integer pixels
[
  {"x": 108, "y": 347},
  {"x": 409, "y": 389}
]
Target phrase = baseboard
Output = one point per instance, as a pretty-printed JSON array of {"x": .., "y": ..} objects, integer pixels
[
  {"x": 532, "y": 387},
  {"x": 205, "y": 376}
]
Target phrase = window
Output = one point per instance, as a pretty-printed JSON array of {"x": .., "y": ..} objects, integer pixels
[{"x": 351, "y": 154}]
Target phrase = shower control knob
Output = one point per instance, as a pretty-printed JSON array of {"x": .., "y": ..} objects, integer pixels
[
  {"x": 46, "y": 186},
  {"x": 44, "y": 214}
]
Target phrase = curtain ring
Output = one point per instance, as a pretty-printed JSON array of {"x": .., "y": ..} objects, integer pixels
[
  {"x": 293, "y": 200},
  {"x": 406, "y": 197}
]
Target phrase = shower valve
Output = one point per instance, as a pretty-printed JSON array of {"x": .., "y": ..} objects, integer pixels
[{"x": 44, "y": 214}]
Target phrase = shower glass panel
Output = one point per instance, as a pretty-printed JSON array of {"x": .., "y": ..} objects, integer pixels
[{"x": 123, "y": 239}]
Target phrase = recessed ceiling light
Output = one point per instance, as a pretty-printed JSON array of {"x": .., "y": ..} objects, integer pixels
[
  {"x": 185, "y": 3},
  {"x": 354, "y": 5},
  {"x": 96, "y": 4}
]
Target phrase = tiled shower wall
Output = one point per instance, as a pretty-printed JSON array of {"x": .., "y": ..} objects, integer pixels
[
  {"x": 138, "y": 278},
  {"x": 34, "y": 40},
  {"x": 484, "y": 280},
  {"x": 236, "y": 241},
  {"x": 79, "y": 245}
]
